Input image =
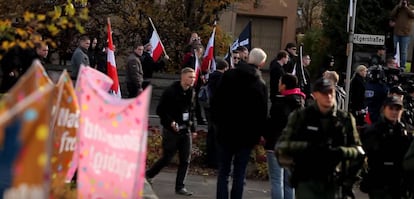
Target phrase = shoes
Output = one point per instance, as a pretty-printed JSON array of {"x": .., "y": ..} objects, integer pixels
[{"x": 184, "y": 192}]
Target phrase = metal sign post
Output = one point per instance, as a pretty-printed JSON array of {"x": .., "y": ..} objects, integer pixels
[{"x": 352, "y": 16}]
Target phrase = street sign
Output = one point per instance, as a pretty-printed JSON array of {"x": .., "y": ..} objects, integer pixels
[{"x": 369, "y": 39}]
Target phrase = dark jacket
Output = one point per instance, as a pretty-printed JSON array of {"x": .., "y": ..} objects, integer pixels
[
  {"x": 175, "y": 102},
  {"x": 149, "y": 66},
  {"x": 14, "y": 64},
  {"x": 134, "y": 75},
  {"x": 213, "y": 82},
  {"x": 385, "y": 145},
  {"x": 292, "y": 63},
  {"x": 282, "y": 106},
  {"x": 357, "y": 93},
  {"x": 239, "y": 107},
  {"x": 276, "y": 71},
  {"x": 80, "y": 56}
]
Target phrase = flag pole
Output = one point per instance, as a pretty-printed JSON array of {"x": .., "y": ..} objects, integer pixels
[
  {"x": 301, "y": 63},
  {"x": 153, "y": 27}
]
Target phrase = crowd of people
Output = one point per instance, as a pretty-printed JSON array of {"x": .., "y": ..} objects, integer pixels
[{"x": 315, "y": 147}]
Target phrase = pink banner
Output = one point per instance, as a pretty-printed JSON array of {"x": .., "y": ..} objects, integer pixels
[
  {"x": 112, "y": 141},
  {"x": 103, "y": 82}
]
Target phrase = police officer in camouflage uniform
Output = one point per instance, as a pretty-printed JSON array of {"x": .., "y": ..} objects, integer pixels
[{"x": 321, "y": 146}]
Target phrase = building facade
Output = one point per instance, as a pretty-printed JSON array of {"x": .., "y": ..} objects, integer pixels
[{"x": 273, "y": 22}]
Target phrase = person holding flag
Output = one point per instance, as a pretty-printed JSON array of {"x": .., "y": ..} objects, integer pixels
[{"x": 148, "y": 63}]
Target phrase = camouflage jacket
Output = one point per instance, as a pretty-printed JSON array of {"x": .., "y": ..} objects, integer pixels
[{"x": 313, "y": 144}]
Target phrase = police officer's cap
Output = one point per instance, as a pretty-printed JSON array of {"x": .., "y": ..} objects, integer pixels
[
  {"x": 323, "y": 85},
  {"x": 397, "y": 90},
  {"x": 393, "y": 101}
]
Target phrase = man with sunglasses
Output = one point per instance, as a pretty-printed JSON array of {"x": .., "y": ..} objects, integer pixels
[
  {"x": 236, "y": 58},
  {"x": 385, "y": 143}
]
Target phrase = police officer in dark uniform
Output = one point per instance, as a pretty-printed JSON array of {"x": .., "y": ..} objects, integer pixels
[
  {"x": 175, "y": 111},
  {"x": 386, "y": 142},
  {"x": 315, "y": 141}
]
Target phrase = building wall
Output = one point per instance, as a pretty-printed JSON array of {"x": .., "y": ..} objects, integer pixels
[{"x": 273, "y": 22}]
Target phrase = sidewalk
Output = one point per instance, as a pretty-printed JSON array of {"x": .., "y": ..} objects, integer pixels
[{"x": 204, "y": 187}]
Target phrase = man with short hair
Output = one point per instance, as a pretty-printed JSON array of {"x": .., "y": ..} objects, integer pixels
[
  {"x": 378, "y": 57},
  {"x": 293, "y": 56},
  {"x": 212, "y": 85},
  {"x": 315, "y": 140},
  {"x": 244, "y": 54},
  {"x": 41, "y": 50},
  {"x": 80, "y": 56},
  {"x": 175, "y": 110},
  {"x": 277, "y": 71},
  {"x": 134, "y": 75}
]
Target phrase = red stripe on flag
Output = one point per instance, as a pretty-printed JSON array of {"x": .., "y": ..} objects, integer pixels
[
  {"x": 209, "y": 54},
  {"x": 111, "y": 66},
  {"x": 207, "y": 60},
  {"x": 157, "y": 52}
]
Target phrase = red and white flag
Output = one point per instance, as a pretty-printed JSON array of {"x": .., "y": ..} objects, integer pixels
[
  {"x": 208, "y": 57},
  {"x": 157, "y": 47},
  {"x": 397, "y": 55},
  {"x": 111, "y": 64},
  {"x": 197, "y": 66}
]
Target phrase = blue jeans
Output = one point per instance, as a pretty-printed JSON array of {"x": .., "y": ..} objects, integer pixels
[
  {"x": 279, "y": 178},
  {"x": 403, "y": 42},
  {"x": 239, "y": 159}
]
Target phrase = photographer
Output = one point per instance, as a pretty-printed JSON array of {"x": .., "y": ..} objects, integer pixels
[
  {"x": 403, "y": 16},
  {"x": 376, "y": 91}
]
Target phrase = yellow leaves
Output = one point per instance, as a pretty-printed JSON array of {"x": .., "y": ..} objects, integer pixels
[
  {"x": 28, "y": 16},
  {"x": 6, "y": 45},
  {"x": 53, "y": 29},
  {"x": 80, "y": 28},
  {"x": 56, "y": 13},
  {"x": 84, "y": 14},
  {"x": 70, "y": 9},
  {"x": 40, "y": 17},
  {"x": 63, "y": 22},
  {"x": 21, "y": 32}
]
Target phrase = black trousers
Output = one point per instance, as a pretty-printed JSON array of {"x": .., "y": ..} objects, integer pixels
[{"x": 171, "y": 143}]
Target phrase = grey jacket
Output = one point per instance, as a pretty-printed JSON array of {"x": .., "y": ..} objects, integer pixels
[{"x": 79, "y": 57}]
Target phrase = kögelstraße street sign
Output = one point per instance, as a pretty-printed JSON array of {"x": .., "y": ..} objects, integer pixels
[{"x": 369, "y": 39}]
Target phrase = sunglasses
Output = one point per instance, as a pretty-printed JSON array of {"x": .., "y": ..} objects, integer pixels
[{"x": 236, "y": 57}]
